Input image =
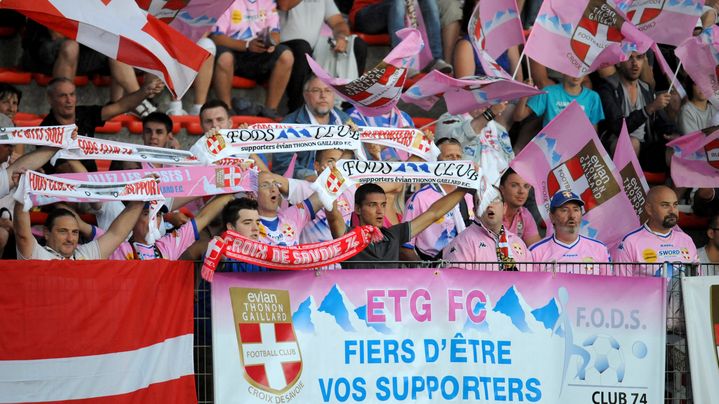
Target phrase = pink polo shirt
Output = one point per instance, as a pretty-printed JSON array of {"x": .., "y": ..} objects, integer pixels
[
  {"x": 583, "y": 251},
  {"x": 476, "y": 244},
  {"x": 522, "y": 224},
  {"x": 646, "y": 246},
  {"x": 170, "y": 246}
]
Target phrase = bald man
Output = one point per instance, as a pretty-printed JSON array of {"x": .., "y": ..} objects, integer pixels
[{"x": 657, "y": 241}]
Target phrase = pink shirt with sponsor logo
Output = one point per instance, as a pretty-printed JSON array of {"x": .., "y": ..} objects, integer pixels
[
  {"x": 646, "y": 246},
  {"x": 434, "y": 238},
  {"x": 286, "y": 227},
  {"x": 245, "y": 18},
  {"x": 584, "y": 251},
  {"x": 477, "y": 244},
  {"x": 170, "y": 246},
  {"x": 522, "y": 224}
]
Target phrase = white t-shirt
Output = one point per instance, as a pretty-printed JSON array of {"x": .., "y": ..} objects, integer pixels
[
  {"x": 89, "y": 251},
  {"x": 4, "y": 182},
  {"x": 305, "y": 20}
]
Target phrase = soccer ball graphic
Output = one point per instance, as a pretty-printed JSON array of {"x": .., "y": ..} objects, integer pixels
[{"x": 606, "y": 360}]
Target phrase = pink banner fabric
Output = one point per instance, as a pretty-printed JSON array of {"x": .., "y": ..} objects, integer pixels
[
  {"x": 182, "y": 181},
  {"x": 695, "y": 162},
  {"x": 464, "y": 95},
  {"x": 667, "y": 21},
  {"x": 633, "y": 182},
  {"x": 567, "y": 155},
  {"x": 377, "y": 91},
  {"x": 415, "y": 20},
  {"x": 192, "y": 18},
  {"x": 700, "y": 58},
  {"x": 579, "y": 37},
  {"x": 495, "y": 26}
]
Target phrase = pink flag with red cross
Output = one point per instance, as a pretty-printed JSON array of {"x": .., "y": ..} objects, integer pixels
[
  {"x": 630, "y": 173},
  {"x": 495, "y": 26},
  {"x": 578, "y": 37},
  {"x": 665, "y": 21},
  {"x": 192, "y": 18},
  {"x": 700, "y": 58},
  {"x": 695, "y": 162},
  {"x": 567, "y": 155}
]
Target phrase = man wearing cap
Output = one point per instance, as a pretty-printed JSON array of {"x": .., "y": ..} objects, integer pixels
[
  {"x": 658, "y": 240},
  {"x": 566, "y": 244},
  {"x": 487, "y": 240}
]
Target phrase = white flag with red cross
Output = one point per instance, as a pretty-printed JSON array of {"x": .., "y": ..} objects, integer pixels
[{"x": 120, "y": 30}]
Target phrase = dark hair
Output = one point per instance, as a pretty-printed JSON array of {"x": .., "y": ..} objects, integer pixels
[
  {"x": 688, "y": 84},
  {"x": 55, "y": 81},
  {"x": 449, "y": 140},
  {"x": 159, "y": 117},
  {"x": 214, "y": 104},
  {"x": 56, "y": 213},
  {"x": 714, "y": 221},
  {"x": 506, "y": 175},
  {"x": 232, "y": 210},
  {"x": 9, "y": 89},
  {"x": 366, "y": 189},
  {"x": 321, "y": 152}
]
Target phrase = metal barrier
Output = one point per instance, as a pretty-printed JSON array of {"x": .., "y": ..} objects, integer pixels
[{"x": 677, "y": 374}]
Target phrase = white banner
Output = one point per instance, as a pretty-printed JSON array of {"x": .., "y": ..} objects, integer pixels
[
  {"x": 88, "y": 148},
  {"x": 701, "y": 309},
  {"x": 458, "y": 173},
  {"x": 55, "y": 136}
]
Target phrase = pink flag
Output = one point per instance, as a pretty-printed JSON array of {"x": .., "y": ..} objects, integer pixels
[
  {"x": 631, "y": 174},
  {"x": 122, "y": 31},
  {"x": 377, "y": 91},
  {"x": 464, "y": 95},
  {"x": 567, "y": 155},
  {"x": 576, "y": 37},
  {"x": 415, "y": 20},
  {"x": 667, "y": 70},
  {"x": 665, "y": 21},
  {"x": 700, "y": 58},
  {"x": 495, "y": 26},
  {"x": 490, "y": 66},
  {"x": 695, "y": 162},
  {"x": 192, "y": 18}
]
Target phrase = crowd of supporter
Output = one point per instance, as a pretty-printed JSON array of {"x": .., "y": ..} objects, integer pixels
[{"x": 266, "y": 41}]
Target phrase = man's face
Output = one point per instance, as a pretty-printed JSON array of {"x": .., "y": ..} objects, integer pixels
[
  {"x": 142, "y": 225},
  {"x": 215, "y": 118},
  {"x": 631, "y": 69},
  {"x": 326, "y": 157},
  {"x": 515, "y": 191},
  {"x": 247, "y": 224},
  {"x": 449, "y": 152},
  {"x": 573, "y": 81},
  {"x": 493, "y": 214},
  {"x": 64, "y": 235},
  {"x": 567, "y": 219},
  {"x": 319, "y": 98},
  {"x": 713, "y": 236},
  {"x": 663, "y": 210},
  {"x": 9, "y": 105},
  {"x": 268, "y": 193},
  {"x": 371, "y": 211},
  {"x": 155, "y": 134},
  {"x": 63, "y": 100}
]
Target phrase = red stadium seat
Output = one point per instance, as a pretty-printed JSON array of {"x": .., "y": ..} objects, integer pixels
[
  {"x": 411, "y": 80},
  {"x": 185, "y": 120},
  {"x": 29, "y": 122},
  {"x": 125, "y": 119},
  {"x": 25, "y": 116},
  {"x": 10, "y": 75},
  {"x": 690, "y": 221},
  {"x": 420, "y": 121},
  {"x": 109, "y": 127},
  {"x": 241, "y": 82},
  {"x": 655, "y": 178},
  {"x": 7, "y": 32},
  {"x": 374, "y": 40},
  {"x": 38, "y": 218},
  {"x": 101, "y": 81},
  {"x": 194, "y": 129},
  {"x": 103, "y": 165},
  {"x": 43, "y": 80}
]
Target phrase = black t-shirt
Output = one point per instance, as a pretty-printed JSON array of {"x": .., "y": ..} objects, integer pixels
[
  {"x": 87, "y": 118},
  {"x": 385, "y": 250}
]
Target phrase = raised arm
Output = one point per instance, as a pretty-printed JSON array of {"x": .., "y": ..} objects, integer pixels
[
  {"x": 119, "y": 229},
  {"x": 30, "y": 161},
  {"x": 24, "y": 239},
  {"x": 211, "y": 209},
  {"x": 151, "y": 87},
  {"x": 338, "y": 227},
  {"x": 436, "y": 211}
]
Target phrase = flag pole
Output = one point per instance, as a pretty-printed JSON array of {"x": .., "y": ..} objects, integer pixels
[
  {"x": 529, "y": 68},
  {"x": 519, "y": 64},
  {"x": 671, "y": 85}
]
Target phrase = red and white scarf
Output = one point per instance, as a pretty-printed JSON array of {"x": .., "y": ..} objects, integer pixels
[
  {"x": 304, "y": 256},
  {"x": 88, "y": 148},
  {"x": 55, "y": 136}
]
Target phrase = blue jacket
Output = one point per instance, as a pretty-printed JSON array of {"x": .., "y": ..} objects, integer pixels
[{"x": 304, "y": 167}]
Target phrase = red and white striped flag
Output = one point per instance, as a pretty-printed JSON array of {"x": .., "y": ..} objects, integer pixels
[
  {"x": 122, "y": 31},
  {"x": 96, "y": 331}
]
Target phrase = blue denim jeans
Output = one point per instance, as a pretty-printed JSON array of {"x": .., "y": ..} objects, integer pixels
[{"x": 388, "y": 16}]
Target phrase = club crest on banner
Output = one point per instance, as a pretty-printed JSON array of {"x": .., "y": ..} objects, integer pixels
[
  {"x": 643, "y": 11},
  {"x": 334, "y": 181},
  {"x": 215, "y": 144},
  {"x": 377, "y": 87},
  {"x": 586, "y": 174},
  {"x": 266, "y": 339},
  {"x": 712, "y": 153},
  {"x": 600, "y": 25},
  {"x": 229, "y": 176}
]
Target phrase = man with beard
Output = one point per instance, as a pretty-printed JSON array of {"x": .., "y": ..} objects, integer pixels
[
  {"x": 658, "y": 240},
  {"x": 487, "y": 240},
  {"x": 566, "y": 244},
  {"x": 318, "y": 110}
]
